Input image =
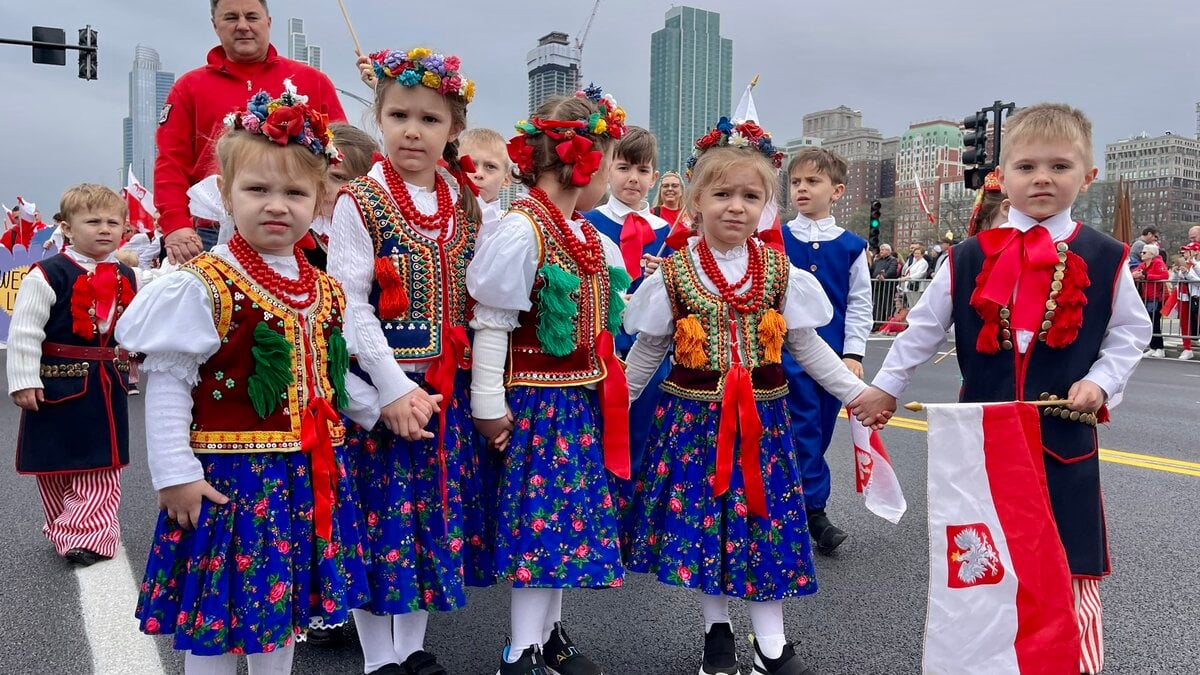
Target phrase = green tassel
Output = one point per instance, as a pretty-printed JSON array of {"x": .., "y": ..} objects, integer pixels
[
  {"x": 339, "y": 364},
  {"x": 557, "y": 311},
  {"x": 618, "y": 282},
  {"x": 272, "y": 370}
]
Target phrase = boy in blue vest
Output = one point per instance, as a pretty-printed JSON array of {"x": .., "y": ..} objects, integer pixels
[
  {"x": 838, "y": 259},
  {"x": 1041, "y": 306},
  {"x": 70, "y": 379}
]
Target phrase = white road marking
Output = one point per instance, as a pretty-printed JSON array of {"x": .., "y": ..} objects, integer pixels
[{"x": 108, "y": 594}]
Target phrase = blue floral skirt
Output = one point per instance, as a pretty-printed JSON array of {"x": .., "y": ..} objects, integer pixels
[
  {"x": 421, "y": 556},
  {"x": 689, "y": 538},
  {"x": 253, "y": 575},
  {"x": 557, "y": 517}
]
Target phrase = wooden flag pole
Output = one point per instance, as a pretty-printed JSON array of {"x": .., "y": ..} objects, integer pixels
[
  {"x": 917, "y": 406},
  {"x": 353, "y": 36}
]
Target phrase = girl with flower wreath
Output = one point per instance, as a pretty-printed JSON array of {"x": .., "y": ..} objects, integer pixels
[
  {"x": 549, "y": 292},
  {"x": 400, "y": 241},
  {"x": 259, "y": 538},
  {"x": 719, "y": 505}
]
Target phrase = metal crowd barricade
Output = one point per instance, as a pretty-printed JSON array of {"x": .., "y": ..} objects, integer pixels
[{"x": 892, "y": 299}]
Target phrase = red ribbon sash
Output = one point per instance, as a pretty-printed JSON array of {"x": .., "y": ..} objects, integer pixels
[
  {"x": 739, "y": 411},
  {"x": 316, "y": 442},
  {"x": 1023, "y": 257},
  {"x": 456, "y": 354},
  {"x": 614, "y": 407}
]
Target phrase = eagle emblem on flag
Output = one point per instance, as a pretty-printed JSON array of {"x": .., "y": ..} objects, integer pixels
[
  {"x": 972, "y": 556},
  {"x": 864, "y": 466}
]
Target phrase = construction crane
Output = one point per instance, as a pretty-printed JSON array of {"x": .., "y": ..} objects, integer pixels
[{"x": 587, "y": 27}]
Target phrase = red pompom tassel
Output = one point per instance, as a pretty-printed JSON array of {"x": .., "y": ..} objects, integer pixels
[
  {"x": 82, "y": 300},
  {"x": 393, "y": 297},
  {"x": 988, "y": 341}
]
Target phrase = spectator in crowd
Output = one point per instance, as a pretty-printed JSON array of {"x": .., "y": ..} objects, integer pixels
[
  {"x": 944, "y": 254},
  {"x": 1185, "y": 271},
  {"x": 898, "y": 321},
  {"x": 884, "y": 268},
  {"x": 1150, "y": 275},
  {"x": 1149, "y": 236}
]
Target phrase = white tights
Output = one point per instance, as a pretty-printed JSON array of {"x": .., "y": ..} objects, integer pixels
[
  {"x": 389, "y": 639},
  {"x": 533, "y": 613},
  {"x": 278, "y": 662},
  {"x": 766, "y": 617}
]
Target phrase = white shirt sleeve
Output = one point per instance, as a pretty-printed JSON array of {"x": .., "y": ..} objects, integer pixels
[
  {"x": 649, "y": 310},
  {"x": 823, "y": 364},
  {"x": 352, "y": 262},
  {"x": 1128, "y": 333},
  {"x": 805, "y": 305},
  {"x": 858, "y": 308},
  {"x": 170, "y": 321},
  {"x": 169, "y": 452},
  {"x": 926, "y": 333},
  {"x": 27, "y": 331},
  {"x": 502, "y": 272},
  {"x": 644, "y": 358}
]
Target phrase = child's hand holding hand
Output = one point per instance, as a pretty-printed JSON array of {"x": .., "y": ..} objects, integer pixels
[
  {"x": 183, "y": 502},
  {"x": 497, "y": 431},
  {"x": 651, "y": 263},
  {"x": 28, "y": 399},
  {"x": 407, "y": 416},
  {"x": 855, "y": 366},
  {"x": 873, "y": 407},
  {"x": 1086, "y": 396}
]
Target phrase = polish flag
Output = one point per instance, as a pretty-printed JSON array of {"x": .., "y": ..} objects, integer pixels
[
  {"x": 921, "y": 199},
  {"x": 141, "y": 205},
  {"x": 874, "y": 477},
  {"x": 1000, "y": 598}
]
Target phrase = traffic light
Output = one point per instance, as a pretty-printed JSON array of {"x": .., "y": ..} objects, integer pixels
[
  {"x": 87, "y": 54},
  {"x": 975, "y": 139},
  {"x": 873, "y": 233}
]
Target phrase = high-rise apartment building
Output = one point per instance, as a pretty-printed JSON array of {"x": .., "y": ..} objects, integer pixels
[
  {"x": 931, "y": 153},
  {"x": 1163, "y": 174},
  {"x": 148, "y": 89},
  {"x": 298, "y": 48},
  {"x": 691, "y": 82},
  {"x": 841, "y": 131},
  {"x": 554, "y": 69}
]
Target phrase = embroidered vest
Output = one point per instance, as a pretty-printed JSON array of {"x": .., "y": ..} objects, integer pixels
[
  {"x": 432, "y": 274},
  {"x": 529, "y": 363},
  {"x": 690, "y": 298},
  {"x": 224, "y": 418}
]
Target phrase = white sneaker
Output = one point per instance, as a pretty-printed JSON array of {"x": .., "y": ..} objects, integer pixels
[
  {"x": 1186, "y": 355},
  {"x": 1158, "y": 353}
]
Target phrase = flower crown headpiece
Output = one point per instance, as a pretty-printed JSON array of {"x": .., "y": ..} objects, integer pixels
[
  {"x": 421, "y": 66},
  {"x": 991, "y": 183},
  {"x": 573, "y": 149},
  {"x": 738, "y": 135},
  {"x": 287, "y": 119}
]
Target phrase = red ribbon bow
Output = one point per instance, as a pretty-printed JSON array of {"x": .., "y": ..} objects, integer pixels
[
  {"x": 577, "y": 150},
  {"x": 636, "y": 234},
  {"x": 614, "y": 407},
  {"x": 773, "y": 238},
  {"x": 739, "y": 411},
  {"x": 1023, "y": 257},
  {"x": 455, "y": 356},
  {"x": 316, "y": 442},
  {"x": 104, "y": 288}
]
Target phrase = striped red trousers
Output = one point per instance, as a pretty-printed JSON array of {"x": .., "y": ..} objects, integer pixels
[
  {"x": 1091, "y": 624},
  {"x": 81, "y": 510}
]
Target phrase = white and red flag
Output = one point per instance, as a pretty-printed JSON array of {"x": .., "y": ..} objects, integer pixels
[
  {"x": 1000, "y": 598},
  {"x": 141, "y": 205},
  {"x": 921, "y": 199},
  {"x": 874, "y": 477}
]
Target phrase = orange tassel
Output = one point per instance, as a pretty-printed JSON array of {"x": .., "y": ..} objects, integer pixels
[
  {"x": 689, "y": 342},
  {"x": 393, "y": 298},
  {"x": 771, "y": 331}
]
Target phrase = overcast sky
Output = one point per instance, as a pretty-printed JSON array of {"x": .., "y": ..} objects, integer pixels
[{"x": 1132, "y": 66}]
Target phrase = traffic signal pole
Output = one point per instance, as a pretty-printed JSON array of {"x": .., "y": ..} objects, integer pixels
[{"x": 50, "y": 46}]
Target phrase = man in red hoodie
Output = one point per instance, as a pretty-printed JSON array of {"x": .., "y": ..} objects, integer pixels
[{"x": 190, "y": 122}]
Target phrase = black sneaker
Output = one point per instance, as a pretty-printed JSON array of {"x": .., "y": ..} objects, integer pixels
[
  {"x": 720, "y": 651},
  {"x": 422, "y": 662},
  {"x": 787, "y": 663},
  {"x": 825, "y": 535},
  {"x": 84, "y": 557},
  {"x": 564, "y": 658},
  {"x": 325, "y": 637},
  {"x": 530, "y": 663},
  {"x": 389, "y": 669}
]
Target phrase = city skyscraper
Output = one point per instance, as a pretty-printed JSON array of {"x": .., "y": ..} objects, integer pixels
[
  {"x": 298, "y": 48},
  {"x": 691, "y": 81},
  {"x": 554, "y": 69},
  {"x": 148, "y": 88},
  {"x": 1163, "y": 174},
  {"x": 930, "y": 152}
]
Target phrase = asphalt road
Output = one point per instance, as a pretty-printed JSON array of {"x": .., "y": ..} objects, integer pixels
[{"x": 868, "y": 616}]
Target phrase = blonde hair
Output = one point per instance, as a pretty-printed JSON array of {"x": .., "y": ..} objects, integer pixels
[
  {"x": 545, "y": 158},
  {"x": 236, "y": 146},
  {"x": 89, "y": 197},
  {"x": 485, "y": 138},
  {"x": 357, "y": 147},
  {"x": 658, "y": 199},
  {"x": 825, "y": 161},
  {"x": 1049, "y": 123},
  {"x": 458, "y": 120},
  {"x": 716, "y": 163}
]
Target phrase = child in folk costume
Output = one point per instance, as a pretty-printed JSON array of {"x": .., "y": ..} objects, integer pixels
[
  {"x": 719, "y": 505},
  {"x": 492, "y": 168},
  {"x": 1042, "y": 306},
  {"x": 400, "y": 242},
  {"x": 70, "y": 379},
  {"x": 359, "y": 152},
  {"x": 549, "y": 291},
  {"x": 259, "y": 538}
]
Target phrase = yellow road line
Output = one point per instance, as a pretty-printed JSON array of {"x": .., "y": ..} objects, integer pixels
[{"x": 1154, "y": 462}]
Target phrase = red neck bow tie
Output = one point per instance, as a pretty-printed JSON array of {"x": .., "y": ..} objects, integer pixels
[
  {"x": 636, "y": 234},
  {"x": 1020, "y": 272}
]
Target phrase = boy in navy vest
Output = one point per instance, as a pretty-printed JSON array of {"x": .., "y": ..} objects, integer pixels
[
  {"x": 838, "y": 259},
  {"x": 1041, "y": 306},
  {"x": 70, "y": 379}
]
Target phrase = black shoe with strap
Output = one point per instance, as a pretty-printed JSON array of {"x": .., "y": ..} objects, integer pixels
[
  {"x": 422, "y": 662},
  {"x": 787, "y": 663},
  {"x": 84, "y": 556},
  {"x": 389, "y": 669},
  {"x": 530, "y": 663},
  {"x": 825, "y": 535},
  {"x": 720, "y": 651},
  {"x": 564, "y": 658}
]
